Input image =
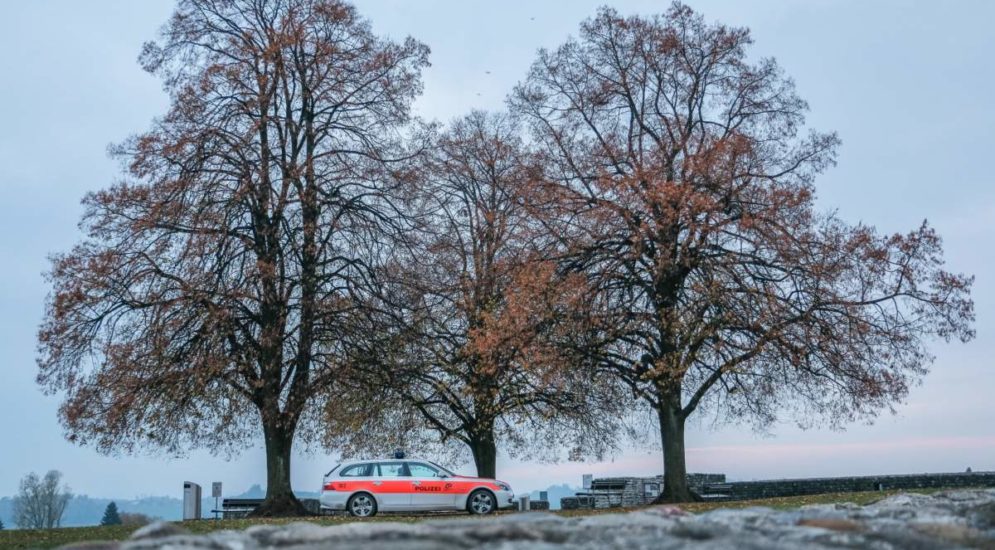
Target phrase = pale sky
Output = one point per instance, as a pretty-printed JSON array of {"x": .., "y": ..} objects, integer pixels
[{"x": 909, "y": 86}]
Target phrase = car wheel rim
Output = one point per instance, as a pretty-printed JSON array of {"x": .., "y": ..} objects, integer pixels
[
  {"x": 362, "y": 506},
  {"x": 481, "y": 503}
]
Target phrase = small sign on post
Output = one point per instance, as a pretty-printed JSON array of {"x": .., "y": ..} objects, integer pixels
[
  {"x": 216, "y": 493},
  {"x": 588, "y": 480}
]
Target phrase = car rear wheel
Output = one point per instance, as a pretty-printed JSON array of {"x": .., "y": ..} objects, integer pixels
[
  {"x": 481, "y": 502},
  {"x": 362, "y": 505}
]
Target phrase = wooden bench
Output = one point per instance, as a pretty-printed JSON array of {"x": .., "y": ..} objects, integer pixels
[
  {"x": 237, "y": 507},
  {"x": 233, "y": 508},
  {"x": 715, "y": 491}
]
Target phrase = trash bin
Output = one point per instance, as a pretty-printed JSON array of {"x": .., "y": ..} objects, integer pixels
[{"x": 191, "y": 500}]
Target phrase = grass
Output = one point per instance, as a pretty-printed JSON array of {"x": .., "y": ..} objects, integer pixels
[
  {"x": 57, "y": 537},
  {"x": 787, "y": 503}
]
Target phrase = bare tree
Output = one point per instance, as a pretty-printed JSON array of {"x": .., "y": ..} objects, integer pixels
[
  {"x": 40, "y": 502},
  {"x": 685, "y": 196},
  {"x": 212, "y": 297}
]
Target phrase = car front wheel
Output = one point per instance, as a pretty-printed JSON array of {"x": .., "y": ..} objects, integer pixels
[
  {"x": 362, "y": 505},
  {"x": 481, "y": 502}
]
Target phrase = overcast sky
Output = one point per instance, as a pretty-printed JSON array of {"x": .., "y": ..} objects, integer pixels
[{"x": 909, "y": 86}]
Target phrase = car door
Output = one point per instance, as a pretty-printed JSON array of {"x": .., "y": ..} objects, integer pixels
[
  {"x": 348, "y": 481},
  {"x": 357, "y": 477},
  {"x": 393, "y": 486},
  {"x": 430, "y": 489}
]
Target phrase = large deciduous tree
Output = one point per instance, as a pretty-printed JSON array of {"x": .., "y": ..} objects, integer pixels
[
  {"x": 211, "y": 298},
  {"x": 474, "y": 357},
  {"x": 685, "y": 186}
]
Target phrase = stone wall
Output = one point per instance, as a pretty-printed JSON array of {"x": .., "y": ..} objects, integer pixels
[
  {"x": 748, "y": 490},
  {"x": 632, "y": 491},
  {"x": 697, "y": 481}
]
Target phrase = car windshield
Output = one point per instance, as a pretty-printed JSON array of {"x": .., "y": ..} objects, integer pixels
[
  {"x": 419, "y": 469},
  {"x": 441, "y": 469}
]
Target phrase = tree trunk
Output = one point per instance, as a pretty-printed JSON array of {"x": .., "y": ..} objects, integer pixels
[
  {"x": 485, "y": 454},
  {"x": 280, "y": 500},
  {"x": 675, "y": 477}
]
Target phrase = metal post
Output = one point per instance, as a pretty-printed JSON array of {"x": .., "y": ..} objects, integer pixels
[{"x": 216, "y": 491}]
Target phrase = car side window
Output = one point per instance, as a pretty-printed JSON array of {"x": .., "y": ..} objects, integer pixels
[
  {"x": 357, "y": 470},
  {"x": 393, "y": 469},
  {"x": 418, "y": 469}
]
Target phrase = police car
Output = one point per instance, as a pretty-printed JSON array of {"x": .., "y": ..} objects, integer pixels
[{"x": 365, "y": 487}]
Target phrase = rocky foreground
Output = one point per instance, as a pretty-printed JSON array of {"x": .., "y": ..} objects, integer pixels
[{"x": 953, "y": 519}]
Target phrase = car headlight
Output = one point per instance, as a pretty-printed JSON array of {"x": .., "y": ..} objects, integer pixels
[{"x": 504, "y": 486}]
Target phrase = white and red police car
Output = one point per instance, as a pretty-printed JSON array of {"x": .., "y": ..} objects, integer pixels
[{"x": 365, "y": 487}]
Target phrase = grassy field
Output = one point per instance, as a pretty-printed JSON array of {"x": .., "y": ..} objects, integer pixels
[{"x": 56, "y": 537}]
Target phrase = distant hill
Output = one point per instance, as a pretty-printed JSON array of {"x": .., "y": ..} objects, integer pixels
[{"x": 83, "y": 510}]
